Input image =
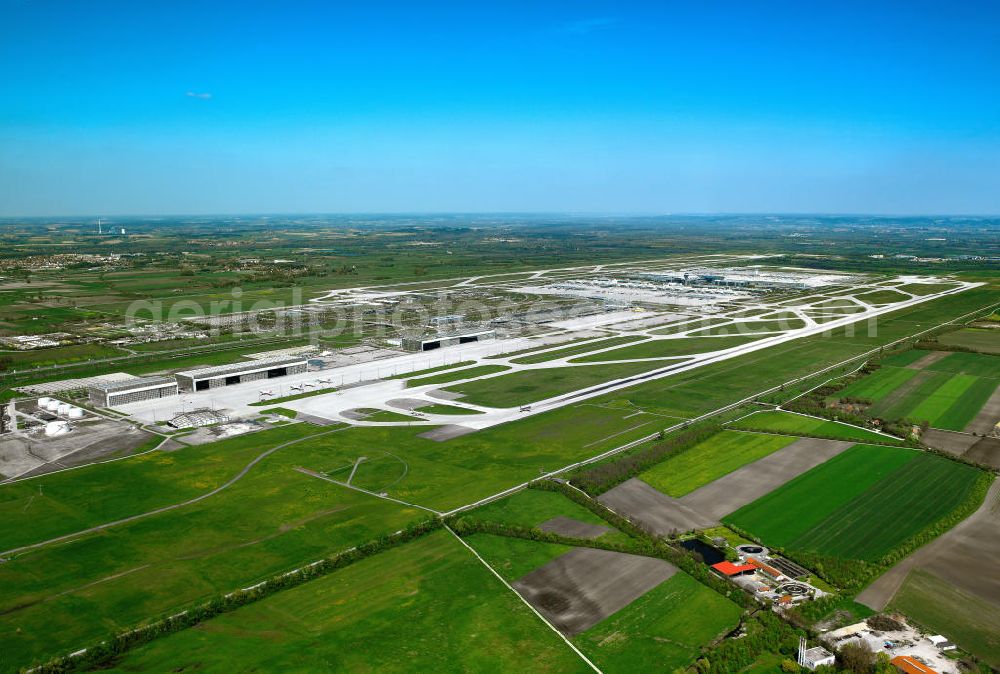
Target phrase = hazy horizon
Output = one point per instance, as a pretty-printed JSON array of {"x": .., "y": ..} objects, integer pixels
[{"x": 176, "y": 108}]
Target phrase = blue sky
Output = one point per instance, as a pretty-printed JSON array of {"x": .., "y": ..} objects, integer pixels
[{"x": 662, "y": 107}]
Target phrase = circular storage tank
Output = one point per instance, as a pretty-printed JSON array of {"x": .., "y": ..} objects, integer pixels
[
  {"x": 43, "y": 401},
  {"x": 63, "y": 409},
  {"x": 56, "y": 428},
  {"x": 52, "y": 405},
  {"x": 75, "y": 413}
]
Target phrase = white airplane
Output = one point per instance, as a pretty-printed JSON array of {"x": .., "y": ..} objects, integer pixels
[
  {"x": 296, "y": 387},
  {"x": 266, "y": 392},
  {"x": 325, "y": 381},
  {"x": 309, "y": 384}
]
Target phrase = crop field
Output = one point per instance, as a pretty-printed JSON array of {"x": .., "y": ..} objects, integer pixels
[
  {"x": 968, "y": 620},
  {"x": 980, "y": 365},
  {"x": 985, "y": 340},
  {"x": 947, "y": 393},
  {"x": 528, "y": 386},
  {"x": 428, "y": 605},
  {"x": 860, "y": 504},
  {"x": 879, "y": 384},
  {"x": 668, "y": 348},
  {"x": 798, "y": 424},
  {"x": 709, "y": 460},
  {"x": 662, "y": 630},
  {"x": 56, "y": 599}
]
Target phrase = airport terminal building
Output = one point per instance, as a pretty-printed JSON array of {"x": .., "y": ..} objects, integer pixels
[
  {"x": 207, "y": 378},
  {"x": 114, "y": 393}
]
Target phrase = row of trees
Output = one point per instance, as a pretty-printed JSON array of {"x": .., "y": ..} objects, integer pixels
[
  {"x": 101, "y": 654},
  {"x": 601, "y": 477}
]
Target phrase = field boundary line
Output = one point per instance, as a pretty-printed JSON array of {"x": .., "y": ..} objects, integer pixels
[{"x": 525, "y": 601}]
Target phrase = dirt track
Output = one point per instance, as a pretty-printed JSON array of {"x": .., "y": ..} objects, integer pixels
[
  {"x": 929, "y": 359},
  {"x": 584, "y": 586}
]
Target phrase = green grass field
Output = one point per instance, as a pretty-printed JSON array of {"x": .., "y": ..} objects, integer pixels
[
  {"x": 60, "y": 503},
  {"x": 955, "y": 402},
  {"x": 880, "y": 297},
  {"x": 948, "y": 394},
  {"x": 978, "y": 364},
  {"x": 441, "y": 408},
  {"x": 455, "y": 375},
  {"x": 445, "y": 475},
  {"x": 968, "y": 620},
  {"x": 662, "y": 630},
  {"x": 376, "y": 414},
  {"x": 432, "y": 370},
  {"x": 797, "y": 424},
  {"x": 668, "y": 348},
  {"x": 426, "y": 606},
  {"x": 528, "y": 386},
  {"x": 748, "y": 327},
  {"x": 877, "y": 385},
  {"x": 709, "y": 460},
  {"x": 531, "y": 507},
  {"x": 690, "y": 325},
  {"x": 985, "y": 340},
  {"x": 575, "y": 350},
  {"x": 61, "y": 597},
  {"x": 515, "y": 557},
  {"x": 860, "y": 504}
]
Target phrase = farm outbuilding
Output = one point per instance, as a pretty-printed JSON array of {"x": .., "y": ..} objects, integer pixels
[{"x": 729, "y": 569}]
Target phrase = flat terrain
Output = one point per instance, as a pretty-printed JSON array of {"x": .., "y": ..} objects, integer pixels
[
  {"x": 860, "y": 504},
  {"x": 799, "y": 424},
  {"x": 947, "y": 390},
  {"x": 969, "y": 621},
  {"x": 654, "y": 511},
  {"x": 59, "y": 598},
  {"x": 754, "y": 480},
  {"x": 985, "y": 340},
  {"x": 661, "y": 630},
  {"x": 428, "y": 605},
  {"x": 513, "y": 558},
  {"x": 577, "y": 590},
  {"x": 711, "y": 459},
  {"x": 66, "y": 502},
  {"x": 528, "y": 386},
  {"x": 451, "y": 473}
]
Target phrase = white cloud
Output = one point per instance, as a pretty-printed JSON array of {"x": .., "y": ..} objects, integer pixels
[{"x": 202, "y": 96}]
